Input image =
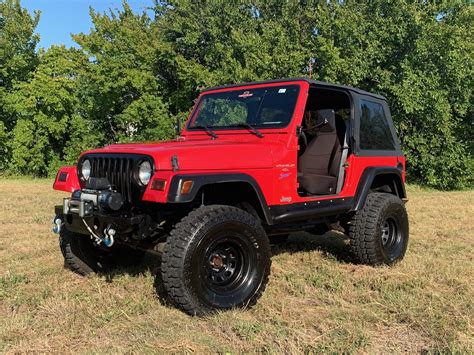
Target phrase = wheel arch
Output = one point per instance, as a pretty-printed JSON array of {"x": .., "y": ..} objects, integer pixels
[
  {"x": 381, "y": 179},
  {"x": 221, "y": 188}
]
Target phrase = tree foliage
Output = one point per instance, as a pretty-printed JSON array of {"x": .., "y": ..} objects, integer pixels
[
  {"x": 49, "y": 114},
  {"x": 17, "y": 60},
  {"x": 134, "y": 73},
  {"x": 122, "y": 91}
]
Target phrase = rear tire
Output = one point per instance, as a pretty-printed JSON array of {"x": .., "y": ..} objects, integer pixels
[
  {"x": 379, "y": 232},
  {"x": 216, "y": 258}
]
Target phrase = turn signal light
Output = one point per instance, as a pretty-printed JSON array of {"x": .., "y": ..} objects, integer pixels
[
  {"x": 186, "y": 186},
  {"x": 158, "y": 184},
  {"x": 62, "y": 176}
]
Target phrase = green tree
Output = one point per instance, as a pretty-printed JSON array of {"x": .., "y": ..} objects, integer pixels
[
  {"x": 420, "y": 56},
  {"x": 3, "y": 146},
  {"x": 17, "y": 61},
  {"x": 417, "y": 54},
  {"x": 50, "y": 129},
  {"x": 133, "y": 74},
  {"x": 122, "y": 91},
  {"x": 247, "y": 41}
]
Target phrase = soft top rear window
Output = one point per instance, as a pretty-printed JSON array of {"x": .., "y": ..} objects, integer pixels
[
  {"x": 268, "y": 107},
  {"x": 375, "y": 132}
]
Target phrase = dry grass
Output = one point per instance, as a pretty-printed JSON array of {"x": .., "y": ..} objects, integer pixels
[{"x": 317, "y": 300}]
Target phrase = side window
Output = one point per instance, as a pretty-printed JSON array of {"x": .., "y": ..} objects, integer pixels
[
  {"x": 277, "y": 107},
  {"x": 375, "y": 133}
]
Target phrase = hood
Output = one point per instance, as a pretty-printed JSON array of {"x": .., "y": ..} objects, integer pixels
[{"x": 201, "y": 154}]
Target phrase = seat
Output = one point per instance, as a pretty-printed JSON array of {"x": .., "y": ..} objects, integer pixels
[{"x": 318, "y": 166}]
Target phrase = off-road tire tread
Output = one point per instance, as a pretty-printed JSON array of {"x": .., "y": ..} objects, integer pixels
[
  {"x": 180, "y": 240},
  {"x": 364, "y": 242},
  {"x": 74, "y": 258}
]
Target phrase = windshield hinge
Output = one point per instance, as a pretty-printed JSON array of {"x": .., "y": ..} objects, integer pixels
[{"x": 174, "y": 162}]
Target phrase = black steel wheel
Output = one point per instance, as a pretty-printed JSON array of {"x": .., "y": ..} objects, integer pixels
[
  {"x": 216, "y": 258},
  {"x": 379, "y": 232},
  {"x": 391, "y": 237}
]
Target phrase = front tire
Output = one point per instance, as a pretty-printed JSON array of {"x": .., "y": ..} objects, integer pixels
[
  {"x": 216, "y": 258},
  {"x": 379, "y": 232},
  {"x": 82, "y": 256},
  {"x": 80, "y": 253}
]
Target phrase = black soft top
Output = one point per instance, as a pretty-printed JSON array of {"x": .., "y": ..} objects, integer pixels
[{"x": 310, "y": 81}]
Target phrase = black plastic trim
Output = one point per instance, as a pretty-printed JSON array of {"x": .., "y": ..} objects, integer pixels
[
  {"x": 137, "y": 158},
  {"x": 311, "y": 210},
  {"x": 123, "y": 223},
  {"x": 368, "y": 177},
  {"x": 201, "y": 180},
  {"x": 274, "y": 214},
  {"x": 125, "y": 176},
  {"x": 309, "y": 81}
]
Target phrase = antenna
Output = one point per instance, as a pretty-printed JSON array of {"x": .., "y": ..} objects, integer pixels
[{"x": 178, "y": 121}]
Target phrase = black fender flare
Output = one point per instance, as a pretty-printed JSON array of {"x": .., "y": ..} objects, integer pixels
[
  {"x": 201, "y": 180},
  {"x": 367, "y": 179}
]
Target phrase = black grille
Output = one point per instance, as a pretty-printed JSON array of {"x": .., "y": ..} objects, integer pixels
[{"x": 119, "y": 171}]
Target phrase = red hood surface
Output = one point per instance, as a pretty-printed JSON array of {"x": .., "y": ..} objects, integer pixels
[{"x": 203, "y": 154}]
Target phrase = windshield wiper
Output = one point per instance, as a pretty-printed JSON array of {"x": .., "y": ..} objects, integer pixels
[
  {"x": 251, "y": 128},
  {"x": 208, "y": 130}
]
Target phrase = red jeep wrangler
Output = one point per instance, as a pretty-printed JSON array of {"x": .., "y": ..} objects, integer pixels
[{"x": 253, "y": 163}]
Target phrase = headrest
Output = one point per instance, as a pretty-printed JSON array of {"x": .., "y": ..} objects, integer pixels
[{"x": 326, "y": 120}]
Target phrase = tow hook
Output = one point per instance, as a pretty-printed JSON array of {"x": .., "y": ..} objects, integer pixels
[
  {"x": 109, "y": 233},
  {"x": 108, "y": 239},
  {"x": 57, "y": 225}
]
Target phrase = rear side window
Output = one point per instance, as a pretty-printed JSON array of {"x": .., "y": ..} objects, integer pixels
[{"x": 375, "y": 133}]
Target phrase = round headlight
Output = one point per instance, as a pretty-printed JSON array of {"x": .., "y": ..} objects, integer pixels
[
  {"x": 144, "y": 172},
  {"x": 86, "y": 169}
]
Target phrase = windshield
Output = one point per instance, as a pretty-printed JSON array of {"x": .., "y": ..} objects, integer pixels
[{"x": 269, "y": 107}]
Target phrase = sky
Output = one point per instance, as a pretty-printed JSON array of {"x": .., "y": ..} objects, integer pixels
[{"x": 60, "y": 18}]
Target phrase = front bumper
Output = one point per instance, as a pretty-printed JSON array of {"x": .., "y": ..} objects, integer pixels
[{"x": 123, "y": 223}]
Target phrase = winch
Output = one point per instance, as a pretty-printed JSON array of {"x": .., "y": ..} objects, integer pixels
[{"x": 83, "y": 202}]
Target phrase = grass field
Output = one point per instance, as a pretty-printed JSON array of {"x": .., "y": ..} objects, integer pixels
[{"x": 316, "y": 300}]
